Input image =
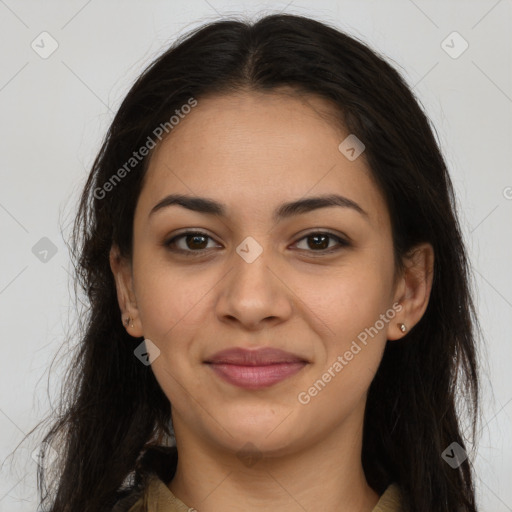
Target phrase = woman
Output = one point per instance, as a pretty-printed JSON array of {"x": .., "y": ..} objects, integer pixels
[{"x": 278, "y": 288}]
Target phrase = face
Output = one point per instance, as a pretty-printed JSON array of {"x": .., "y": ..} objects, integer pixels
[{"x": 316, "y": 281}]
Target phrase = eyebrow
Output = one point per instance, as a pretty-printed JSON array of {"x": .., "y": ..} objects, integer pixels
[{"x": 285, "y": 210}]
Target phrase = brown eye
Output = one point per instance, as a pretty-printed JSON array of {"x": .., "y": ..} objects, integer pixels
[
  {"x": 196, "y": 241},
  {"x": 189, "y": 243},
  {"x": 320, "y": 242}
]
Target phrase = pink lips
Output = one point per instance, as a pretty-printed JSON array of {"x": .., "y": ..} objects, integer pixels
[{"x": 255, "y": 369}]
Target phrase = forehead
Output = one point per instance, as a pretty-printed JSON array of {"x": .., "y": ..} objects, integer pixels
[{"x": 258, "y": 149}]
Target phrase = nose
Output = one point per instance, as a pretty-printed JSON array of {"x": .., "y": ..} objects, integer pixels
[{"x": 254, "y": 294}]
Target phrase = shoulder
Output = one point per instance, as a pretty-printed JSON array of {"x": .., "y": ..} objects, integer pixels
[
  {"x": 391, "y": 500},
  {"x": 131, "y": 502},
  {"x": 158, "y": 464},
  {"x": 156, "y": 496}
]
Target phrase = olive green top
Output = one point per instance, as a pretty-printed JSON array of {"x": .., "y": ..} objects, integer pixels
[{"x": 158, "y": 498}]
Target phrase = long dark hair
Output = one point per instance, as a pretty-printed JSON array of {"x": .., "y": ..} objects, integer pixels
[{"x": 113, "y": 410}]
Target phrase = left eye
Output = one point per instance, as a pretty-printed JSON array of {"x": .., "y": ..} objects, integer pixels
[
  {"x": 321, "y": 241},
  {"x": 197, "y": 242}
]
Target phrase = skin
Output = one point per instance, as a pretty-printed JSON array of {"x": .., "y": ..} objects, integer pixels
[{"x": 252, "y": 152}]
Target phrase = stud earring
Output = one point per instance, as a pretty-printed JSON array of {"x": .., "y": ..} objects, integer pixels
[
  {"x": 127, "y": 321},
  {"x": 402, "y": 327}
]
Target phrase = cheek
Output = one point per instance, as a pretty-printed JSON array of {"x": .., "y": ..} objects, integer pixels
[
  {"x": 358, "y": 317},
  {"x": 353, "y": 298},
  {"x": 168, "y": 305},
  {"x": 357, "y": 307},
  {"x": 175, "y": 307},
  {"x": 169, "y": 299}
]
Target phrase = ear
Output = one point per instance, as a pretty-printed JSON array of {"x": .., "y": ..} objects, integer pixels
[
  {"x": 413, "y": 289},
  {"x": 122, "y": 270}
]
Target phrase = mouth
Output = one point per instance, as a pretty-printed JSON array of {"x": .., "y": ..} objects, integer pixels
[{"x": 255, "y": 369}]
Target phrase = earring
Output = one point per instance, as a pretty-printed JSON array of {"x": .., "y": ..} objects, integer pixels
[
  {"x": 402, "y": 327},
  {"x": 127, "y": 321}
]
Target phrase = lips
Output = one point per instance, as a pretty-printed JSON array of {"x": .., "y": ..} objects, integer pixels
[
  {"x": 255, "y": 369},
  {"x": 258, "y": 357}
]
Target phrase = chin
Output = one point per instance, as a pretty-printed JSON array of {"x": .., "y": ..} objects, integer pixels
[{"x": 268, "y": 431}]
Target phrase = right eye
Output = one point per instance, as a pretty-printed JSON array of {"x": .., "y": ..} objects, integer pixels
[{"x": 193, "y": 243}]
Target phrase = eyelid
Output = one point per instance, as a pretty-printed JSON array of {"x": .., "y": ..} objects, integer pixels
[{"x": 322, "y": 231}]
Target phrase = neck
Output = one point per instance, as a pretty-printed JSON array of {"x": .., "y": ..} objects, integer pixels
[{"x": 327, "y": 476}]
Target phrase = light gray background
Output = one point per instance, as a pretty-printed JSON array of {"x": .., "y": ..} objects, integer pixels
[{"x": 55, "y": 112}]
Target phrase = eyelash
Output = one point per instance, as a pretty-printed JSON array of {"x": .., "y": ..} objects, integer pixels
[{"x": 342, "y": 243}]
